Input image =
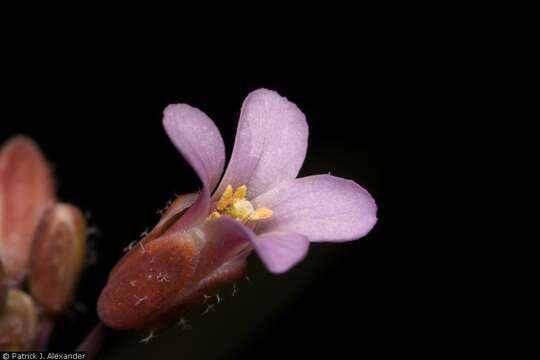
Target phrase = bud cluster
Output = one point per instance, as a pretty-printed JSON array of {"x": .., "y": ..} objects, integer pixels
[{"x": 42, "y": 247}]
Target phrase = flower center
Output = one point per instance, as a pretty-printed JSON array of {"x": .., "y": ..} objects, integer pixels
[{"x": 234, "y": 204}]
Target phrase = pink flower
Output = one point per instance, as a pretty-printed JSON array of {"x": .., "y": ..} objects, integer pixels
[
  {"x": 275, "y": 212},
  {"x": 201, "y": 242}
]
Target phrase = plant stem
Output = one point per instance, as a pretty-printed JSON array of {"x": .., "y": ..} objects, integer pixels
[
  {"x": 94, "y": 340},
  {"x": 45, "y": 329}
]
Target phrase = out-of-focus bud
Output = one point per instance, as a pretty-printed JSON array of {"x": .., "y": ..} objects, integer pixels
[
  {"x": 3, "y": 288},
  {"x": 168, "y": 272},
  {"x": 57, "y": 257},
  {"x": 26, "y": 190},
  {"x": 18, "y": 323}
]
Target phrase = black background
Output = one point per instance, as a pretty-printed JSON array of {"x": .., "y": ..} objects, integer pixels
[{"x": 372, "y": 85}]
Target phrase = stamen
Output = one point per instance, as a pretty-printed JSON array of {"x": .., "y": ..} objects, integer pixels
[
  {"x": 213, "y": 216},
  {"x": 260, "y": 214},
  {"x": 226, "y": 199},
  {"x": 240, "y": 193},
  {"x": 235, "y": 205}
]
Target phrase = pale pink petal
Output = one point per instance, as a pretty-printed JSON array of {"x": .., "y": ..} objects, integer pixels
[
  {"x": 278, "y": 251},
  {"x": 270, "y": 146},
  {"x": 321, "y": 207},
  {"x": 198, "y": 140}
]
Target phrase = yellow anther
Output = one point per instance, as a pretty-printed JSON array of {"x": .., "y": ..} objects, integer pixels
[
  {"x": 213, "y": 216},
  {"x": 235, "y": 205},
  {"x": 240, "y": 193},
  {"x": 260, "y": 214},
  {"x": 226, "y": 199}
]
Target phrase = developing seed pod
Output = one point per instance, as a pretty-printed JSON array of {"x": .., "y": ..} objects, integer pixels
[
  {"x": 18, "y": 323},
  {"x": 57, "y": 257},
  {"x": 26, "y": 190}
]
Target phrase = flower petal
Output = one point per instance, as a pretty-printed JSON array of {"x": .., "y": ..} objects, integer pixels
[
  {"x": 321, "y": 207},
  {"x": 278, "y": 251},
  {"x": 198, "y": 140},
  {"x": 270, "y": 146}
]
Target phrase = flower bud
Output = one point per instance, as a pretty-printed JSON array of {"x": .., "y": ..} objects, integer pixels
[
  {"x": 26, "y": 190},
  {"x": 57, "y": 257},
  {"x": 18, "y": 323},
  {"x": 167, "y": 272}
]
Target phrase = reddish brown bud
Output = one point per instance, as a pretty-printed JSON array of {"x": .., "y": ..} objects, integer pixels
[
  {"x": 18, "y": 322},
  {"x": 57, "y": 257},
  {"x": 26, "y": 190}
]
